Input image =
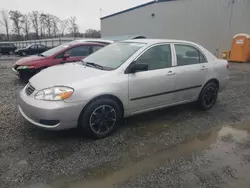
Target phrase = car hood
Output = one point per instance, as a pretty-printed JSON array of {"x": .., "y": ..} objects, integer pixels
[
  {"x": 64, "y": 75},
  {"x": 30, "y": 60}
]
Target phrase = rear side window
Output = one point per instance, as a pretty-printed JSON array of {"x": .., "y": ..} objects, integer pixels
[
  {"x": 40, "y": 46},
  {"x": 188, "y": 55},
  {"x": 78, "y": 51},
  {"x": 96, "y": 48},
  {"x": 5, "y": 45},
  {"x": 34, "y": 46}
]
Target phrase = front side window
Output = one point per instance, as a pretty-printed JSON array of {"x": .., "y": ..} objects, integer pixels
[
  {"x": 157, "y": 57},
  {"x": 188, "y": 55},
  {"x": 78, "y": 51},
  {"x": 55, "y": 50},
  {"x": 114, "y": 55}
]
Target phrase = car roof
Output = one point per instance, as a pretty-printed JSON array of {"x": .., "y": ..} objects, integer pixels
[
  {"x": 155, "y": 41},
  {"x": 95, "y": 41},
  {"x": 79, "y": 42},
  {"x": 124, "y": 37}
]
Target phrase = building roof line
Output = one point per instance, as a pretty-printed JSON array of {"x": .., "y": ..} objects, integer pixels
[{"x": 136, "y": 7}]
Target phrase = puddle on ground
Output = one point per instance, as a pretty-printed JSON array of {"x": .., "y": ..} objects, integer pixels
[{"x": 216, "y": 143}]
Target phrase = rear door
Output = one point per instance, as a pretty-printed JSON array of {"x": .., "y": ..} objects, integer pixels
[{"x": 191, "y": 72}]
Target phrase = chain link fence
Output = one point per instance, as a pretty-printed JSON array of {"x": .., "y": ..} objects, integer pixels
[{"x": 47, "y": 42}]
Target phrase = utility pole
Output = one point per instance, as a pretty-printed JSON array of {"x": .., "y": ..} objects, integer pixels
[{"x": 231, "y": 6}]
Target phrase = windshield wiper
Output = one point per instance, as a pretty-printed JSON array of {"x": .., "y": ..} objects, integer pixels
[
  {"x": 41, "y": 55},
  {"x": 93, "y": 65}
]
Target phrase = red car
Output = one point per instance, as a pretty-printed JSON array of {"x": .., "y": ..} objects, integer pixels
[{"x": 65, "y": 53}]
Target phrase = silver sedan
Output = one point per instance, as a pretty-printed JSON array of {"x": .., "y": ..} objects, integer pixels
[{"x": 121, "y": 80}]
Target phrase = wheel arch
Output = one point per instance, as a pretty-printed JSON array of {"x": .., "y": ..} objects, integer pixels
[
  {"x": 214, "y": 80},
  {"x": 109, "y": 96}
]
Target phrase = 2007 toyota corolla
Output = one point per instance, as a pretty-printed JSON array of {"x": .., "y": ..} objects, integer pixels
[{"x": 121, "y": 80}]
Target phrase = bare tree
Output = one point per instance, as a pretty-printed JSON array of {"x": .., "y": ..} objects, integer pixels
[
  {"x": 73, "y": 27},
  {"x": 5, "y": 21},
  {"x": 63, "y": 24},
  {"x": 92, "y": 33},
  {"x": 16, "y": 18},
  {"x": 55, "y": 20},
  {"x": 48, "y": 24},
  {"x": 35, "y": 22},
  {"x": 26, "y": 24},
  {"x": 42, "y": 21}
]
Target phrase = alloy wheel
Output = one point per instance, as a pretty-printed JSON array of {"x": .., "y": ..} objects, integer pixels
[
  {"x": 210, "y": 96},
  {"x": 102, "y": 119}
]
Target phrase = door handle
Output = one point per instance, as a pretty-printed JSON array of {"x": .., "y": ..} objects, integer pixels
[
  {"x": 204, "y": 68},
  {"x": 170, "y": 73}
]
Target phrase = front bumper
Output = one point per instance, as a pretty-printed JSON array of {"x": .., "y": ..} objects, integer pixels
[
  {"x": 15, "y": 71},
  {"x": 29, "y": 72},
  {"x": 37, "y": 111}
]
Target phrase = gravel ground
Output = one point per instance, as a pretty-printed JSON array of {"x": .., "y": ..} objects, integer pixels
[{"x": 174, "y": 147}]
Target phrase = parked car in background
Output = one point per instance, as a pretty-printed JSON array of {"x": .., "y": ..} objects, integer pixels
[
  {"x": 121, "y": 80},
  {"x": 32, "y": 49},
  {"x": 65, "y": 53},
  {"x": 7, "y": 48}
]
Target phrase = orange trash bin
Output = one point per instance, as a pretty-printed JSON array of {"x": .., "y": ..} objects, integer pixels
[{"x": 240, "y": 48}]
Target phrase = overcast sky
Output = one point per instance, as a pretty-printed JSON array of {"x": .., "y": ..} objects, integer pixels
[{"x": 86, "y": 11}]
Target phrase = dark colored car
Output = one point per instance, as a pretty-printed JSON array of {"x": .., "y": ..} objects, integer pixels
[
  {"x": 32, "y": 49},
  {"x": 65, "y": 53},
  {"x": 7, "y": 48}
]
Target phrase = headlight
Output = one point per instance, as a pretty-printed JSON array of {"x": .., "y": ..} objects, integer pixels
[
  {"x": 25, "y": 67},
  {"x": 54, "y": 94}
]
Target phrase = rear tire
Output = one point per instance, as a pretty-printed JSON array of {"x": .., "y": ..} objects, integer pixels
[
  {"x": 100, "y": 118},
  {"x": 208, "y": 96}
]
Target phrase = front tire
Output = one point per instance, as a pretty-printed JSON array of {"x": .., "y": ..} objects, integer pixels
[
  {"x": 100, "y": 118},
  {"x": 208, "y": 96}
]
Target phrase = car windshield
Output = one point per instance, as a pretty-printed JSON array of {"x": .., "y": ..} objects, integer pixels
[
  {"x": 114, "y": 55},
  {"x": 54, "y": 50}
]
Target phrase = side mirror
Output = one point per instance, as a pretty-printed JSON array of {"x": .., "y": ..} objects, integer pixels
[
  {"x": 137, "y": 68},
  {"x": 65, "y": 56}
]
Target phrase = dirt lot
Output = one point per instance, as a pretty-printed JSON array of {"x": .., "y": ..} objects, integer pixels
[{"x": 175, "y": 147}]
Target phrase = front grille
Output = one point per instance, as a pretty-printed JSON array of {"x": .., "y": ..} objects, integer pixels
[{"x": 29, "y": 89}]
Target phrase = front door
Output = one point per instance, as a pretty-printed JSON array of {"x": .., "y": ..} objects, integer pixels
[
  {"x": 191, "y": 72},
  {"x": 152, "y": 88},
  {"x": 77, "y": 53}
]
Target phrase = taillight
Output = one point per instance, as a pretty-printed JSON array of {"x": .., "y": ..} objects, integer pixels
[{"x": 227, "y": 65}]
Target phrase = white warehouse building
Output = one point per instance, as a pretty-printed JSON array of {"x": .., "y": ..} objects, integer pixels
[{"x": 211, "y": 23}]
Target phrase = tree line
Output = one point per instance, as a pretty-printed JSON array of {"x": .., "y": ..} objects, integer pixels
[{"x": 38, "y": 25}]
